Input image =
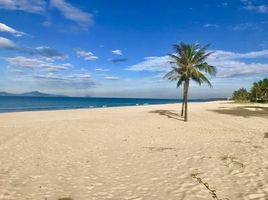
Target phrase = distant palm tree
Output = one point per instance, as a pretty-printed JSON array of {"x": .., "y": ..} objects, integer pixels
[
  {"x": 190, "y": 61},
  {"x": 256, "y": 90},
  {"x": 264, "y": 88}
]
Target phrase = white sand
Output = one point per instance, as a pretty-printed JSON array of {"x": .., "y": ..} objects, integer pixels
[{"x": 135, "y": 153}]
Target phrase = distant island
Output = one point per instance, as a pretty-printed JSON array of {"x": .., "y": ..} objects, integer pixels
[{"x": 31, "y": 94}]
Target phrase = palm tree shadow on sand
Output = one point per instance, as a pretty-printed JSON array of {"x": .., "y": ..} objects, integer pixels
[
  {"x": 245, "y": 111},
  {"x": 168, "y": 113}
]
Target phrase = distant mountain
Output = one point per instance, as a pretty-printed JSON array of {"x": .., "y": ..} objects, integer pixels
[
  {"x": 30, "y": 94},
  {"x": 35, "y": 94},
  {"x": 6, "y": 94}
]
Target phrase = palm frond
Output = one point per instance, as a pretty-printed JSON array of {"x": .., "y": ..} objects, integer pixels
[
  {"x": 189, "y": 62},
  {"x": 180, "y": 82},
  {"x": 200, "y": 78},
  {"x": 211, "y": 70}
]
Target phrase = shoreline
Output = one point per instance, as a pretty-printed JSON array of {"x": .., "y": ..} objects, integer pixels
[{"x": 90, "y": 108}]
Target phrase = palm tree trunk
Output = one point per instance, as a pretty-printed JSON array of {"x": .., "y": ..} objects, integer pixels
[
  {"x": 183, "y": 101},
  {"x": 186, "y": 101},
  {"x": 256, "y": 100},
  {"x": 182, "y": 107}
]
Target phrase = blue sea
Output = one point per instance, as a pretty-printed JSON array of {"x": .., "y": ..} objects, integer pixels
[{"x": 22, "y": 103}]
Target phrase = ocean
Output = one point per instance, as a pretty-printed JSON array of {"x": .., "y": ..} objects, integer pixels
[{"x": 23, "y": 103}]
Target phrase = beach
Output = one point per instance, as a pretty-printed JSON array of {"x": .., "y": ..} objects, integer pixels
[{"x": 136, "y": 153}]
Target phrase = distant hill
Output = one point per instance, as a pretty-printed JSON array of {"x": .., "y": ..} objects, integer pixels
[
  {"x": 30, "y": 94},
  {"x": 5, "y": 94}
]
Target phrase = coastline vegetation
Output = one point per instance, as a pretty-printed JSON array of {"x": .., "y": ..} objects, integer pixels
[{"x": 258, "y": 93}]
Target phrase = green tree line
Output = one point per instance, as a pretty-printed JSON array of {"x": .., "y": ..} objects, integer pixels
[{"x": 257, "y": 93}]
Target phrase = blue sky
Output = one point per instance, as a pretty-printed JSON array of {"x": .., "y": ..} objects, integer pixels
[{"x": 118, "y": 48}]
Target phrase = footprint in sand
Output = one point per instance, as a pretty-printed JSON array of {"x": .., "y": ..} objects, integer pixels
[
  {"x": 233, "y": 163},
  {"x": 160, "y": 149}
]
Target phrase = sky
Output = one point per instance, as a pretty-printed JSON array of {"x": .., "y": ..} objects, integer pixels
[{"x": 119, "y": 48}]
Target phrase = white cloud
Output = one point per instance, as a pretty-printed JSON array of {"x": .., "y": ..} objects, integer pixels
[
  {"x": 244, "y": 26},
  {"x": 117, "y": 52},
  {"x": 229, "y": 64},
  {"x": 36, "y": 64},
  {"x": 6, "y": 43},
  {"x": 42, "y": 52},
  {"x": 232, "y": 68},
  {"x": 66, "y": 82},
  {"x": 48, "y": 53},
  {"x": 211, "y": 26},
  {"x": 13, "y": 70},
  {"x": 32, "y": 6},
  {"x": 82, "y": 76},
  {"x": 254, "y": 6},
  {"x": 48, "y": 74},
  {"x": 72, "y": 13},
  {"x": 234, "y": 55},
  {"x": 43, "y": 7},
  {"x": 102, "y": 70},
  {"x": 89, "y": 56},
  {"x": 76, "y": 77},
  {"x": 113, "y": 78},
  {"x": 73, "y": 81},
  {"x": 152, "y": 64},
  {"x": 7, "y": 29}
]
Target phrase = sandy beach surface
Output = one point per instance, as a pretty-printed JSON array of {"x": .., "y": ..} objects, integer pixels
[{"x": 136, "y": 153}]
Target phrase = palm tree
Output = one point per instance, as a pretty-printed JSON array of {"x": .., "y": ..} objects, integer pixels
[
  {"x": 264, "y": 88},
  {"x": 260, "y": 90},
  {"x": 256, "y": 90},
  {"x": 190, "y": 61}
]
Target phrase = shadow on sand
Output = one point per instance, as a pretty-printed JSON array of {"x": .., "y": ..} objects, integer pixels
[
  {"x": 245, "y": 111},
  {"x": 168, "y": 113}
]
